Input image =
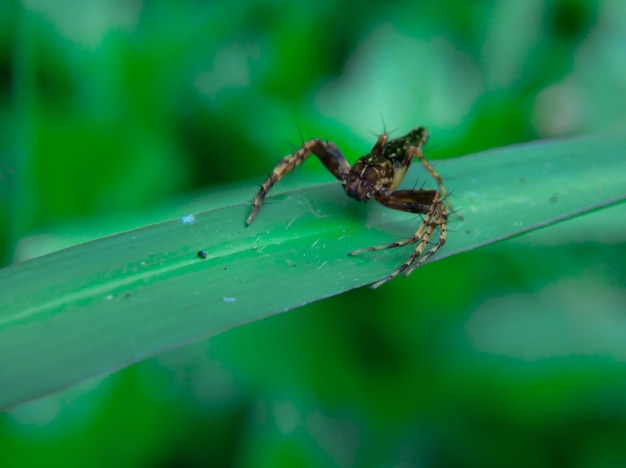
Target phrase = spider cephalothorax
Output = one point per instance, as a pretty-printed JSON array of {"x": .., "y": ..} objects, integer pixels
[{"x": 377, "y": 175}]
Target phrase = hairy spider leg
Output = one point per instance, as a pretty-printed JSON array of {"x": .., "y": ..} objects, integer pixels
[
  {"x": 436, "y": 218},
  {"x": 439, "y": 222},
  {"x": 327, "y": 153},
  {"x": 417, "y": 152},
  {"x": 412, "y": 201},
  {"x": 427, "y": 202}
]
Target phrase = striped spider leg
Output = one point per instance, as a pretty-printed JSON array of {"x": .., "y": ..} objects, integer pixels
[{"x": 327, "y": 152}]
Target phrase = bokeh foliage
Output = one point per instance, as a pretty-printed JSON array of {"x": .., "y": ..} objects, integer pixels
[{"x": 509, "y": 356}]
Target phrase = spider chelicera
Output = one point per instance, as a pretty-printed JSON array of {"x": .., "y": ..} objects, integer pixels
[{"x": 376, "y": 176}]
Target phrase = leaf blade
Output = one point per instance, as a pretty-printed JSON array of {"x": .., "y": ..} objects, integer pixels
[{"x": 102, "y": 305}]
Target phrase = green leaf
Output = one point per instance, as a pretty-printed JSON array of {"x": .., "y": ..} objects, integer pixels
[{"x": 96, "y": 307}]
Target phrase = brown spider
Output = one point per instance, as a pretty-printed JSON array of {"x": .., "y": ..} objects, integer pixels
[{"x": 377, "y": 175}]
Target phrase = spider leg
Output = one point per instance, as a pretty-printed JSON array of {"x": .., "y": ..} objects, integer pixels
[
  {"x": 417, "y": 152},
  {"x": 412, "y": 201},
  {"x": 438, "y": 221},
  {"x": 327, "y": 153},
  {"x": 427, "y": 202}
]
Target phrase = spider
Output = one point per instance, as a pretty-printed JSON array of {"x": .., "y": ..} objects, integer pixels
[{"x": 377, "y": 175}]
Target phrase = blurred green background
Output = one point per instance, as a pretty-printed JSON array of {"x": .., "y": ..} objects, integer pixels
[{"x": 113, "y": 113}]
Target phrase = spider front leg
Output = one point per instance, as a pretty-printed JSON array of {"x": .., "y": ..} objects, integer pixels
[
  {"x": 427, "y": 202},
  {"x": 327, "y": 153}
]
